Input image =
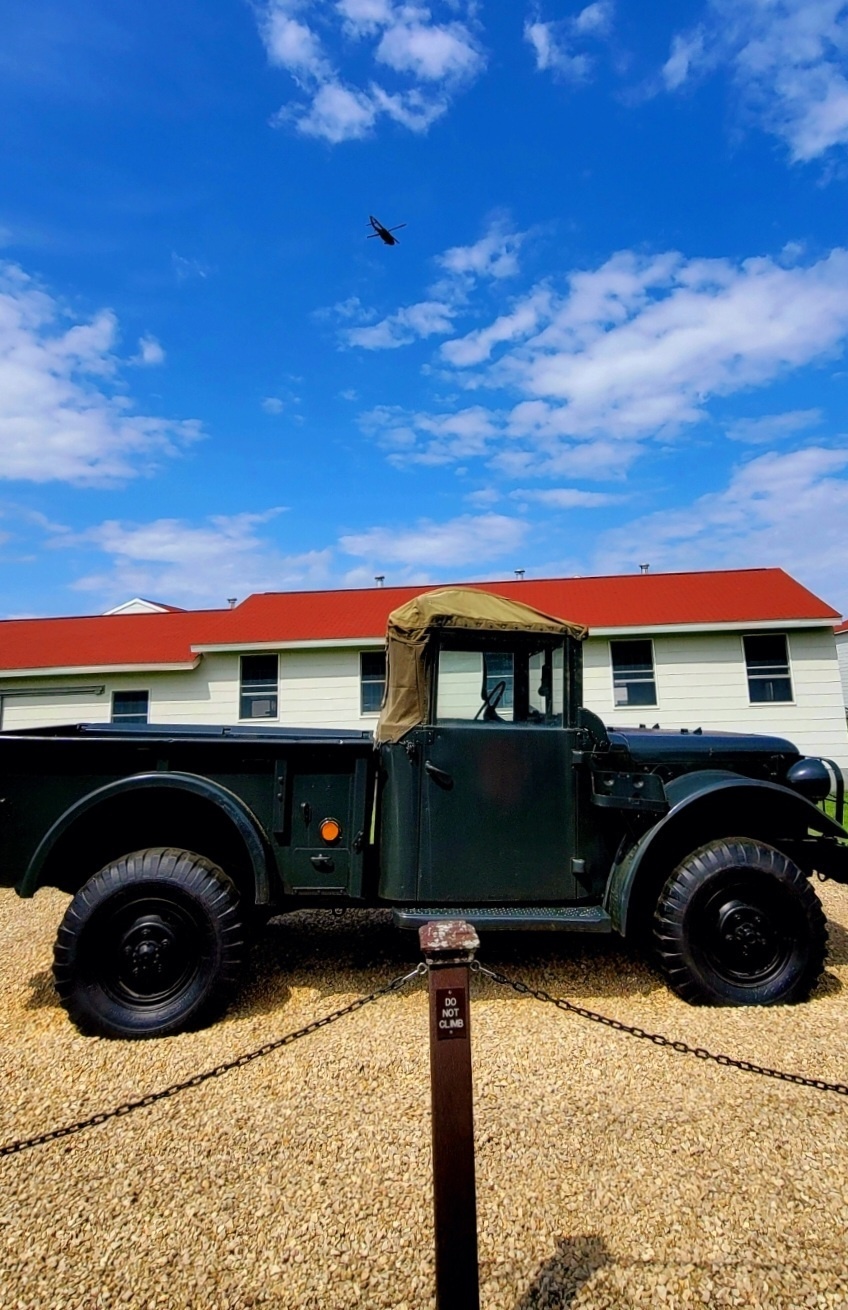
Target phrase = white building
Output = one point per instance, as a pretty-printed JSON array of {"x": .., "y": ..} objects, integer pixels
[
  {"x": 841, "y": 635},
  {"x": 743, "y": 650}
]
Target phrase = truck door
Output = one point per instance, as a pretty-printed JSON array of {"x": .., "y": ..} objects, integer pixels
[{"x": 497, "y": 786}]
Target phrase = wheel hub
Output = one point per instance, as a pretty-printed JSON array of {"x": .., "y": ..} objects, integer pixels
[
  {"x": 747, "y": 938},
  {"x": 147, "y": 948},
  {"x": 152, "y": 958}
]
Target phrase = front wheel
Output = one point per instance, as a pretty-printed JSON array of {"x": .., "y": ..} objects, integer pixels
[
  {"x": 738, "y": 923},
  {"x": 151, "y": 945}
]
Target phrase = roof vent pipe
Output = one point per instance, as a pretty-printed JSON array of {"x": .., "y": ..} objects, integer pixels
[
  {"x": 519, "y": 573},
  {"x": 643, "y": 568},
  {"x": 379, "y": 578}
]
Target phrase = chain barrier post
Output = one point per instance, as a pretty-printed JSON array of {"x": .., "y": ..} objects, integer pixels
[{"x": 448, "y": 949}]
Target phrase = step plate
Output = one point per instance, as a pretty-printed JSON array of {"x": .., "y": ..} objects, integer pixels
[{"x": 526, "y": 918}]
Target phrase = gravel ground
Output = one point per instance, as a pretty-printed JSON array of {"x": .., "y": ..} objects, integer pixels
[{"x": 610, "y": 1173}]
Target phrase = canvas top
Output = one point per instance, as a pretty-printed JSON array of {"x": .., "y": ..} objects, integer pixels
[{"x": 411, "y": 627}]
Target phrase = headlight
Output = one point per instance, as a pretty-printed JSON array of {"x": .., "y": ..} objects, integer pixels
[{"x": 811, "y": 778}]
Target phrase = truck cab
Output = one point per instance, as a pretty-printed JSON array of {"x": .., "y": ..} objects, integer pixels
[{"x": 479, "y": 800}]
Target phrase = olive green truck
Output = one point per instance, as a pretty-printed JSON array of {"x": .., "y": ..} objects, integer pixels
[{"x": 487, "y": 793}]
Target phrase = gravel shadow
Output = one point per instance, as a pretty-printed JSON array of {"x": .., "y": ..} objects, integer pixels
[
  {"x": 837, "y": 943},
  {"x": 42, "y": 995},
  {"x": 359, "y": 949},
  {"x": 560, "y": 1278}
]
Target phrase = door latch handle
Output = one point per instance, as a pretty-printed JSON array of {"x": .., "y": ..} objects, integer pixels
[
  {"x": 440, "y": 778},
  {"x": 323, "y": 863}
]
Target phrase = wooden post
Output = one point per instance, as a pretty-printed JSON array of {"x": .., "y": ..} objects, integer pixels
[{"x": 448, "y": 949}]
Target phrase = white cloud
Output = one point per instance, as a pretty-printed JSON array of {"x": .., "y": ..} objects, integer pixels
[
  {"x": 477, "y": 346},
  {"x": 789, "y": 59},
  {"x": 546, "y": 456},
  {"x": 336, "y": 113},
  {"x": 686, "y": 52},
  {"x": 595, "y": 17},
  {"x": 431, "y": 439},
  {"x": 184, "y": 563},
  {"x": 567, "y": 498},
  {"x": 364, "y": 17},
  {"x": 494, "y": 255},
  {"x": 788, "y": 510},
  {"x": 293, "y": 45},
  {"x": 150, "y": 351},
  {"x": 589, "y": 369},
  {"x": 188, "y": 268},
  {"x": 427, "y": 62},
  {"x": 557, "y": 45},
  {"x": 552, "y": 53},
  {"x": 770, "y": 428},
  {"x": 63, "y": 415},
  {"x": 476, "y": 540},
  {"x": 273, "y": 405},
  {"x": 412, "y": 108},
  {"x": 433, "y": 52},
  {"x": 639, "y": 346},
  {"x": 424, "y": 319}
]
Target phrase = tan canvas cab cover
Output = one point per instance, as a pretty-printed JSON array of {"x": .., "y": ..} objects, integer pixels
[{"x": 410, "y": 628}]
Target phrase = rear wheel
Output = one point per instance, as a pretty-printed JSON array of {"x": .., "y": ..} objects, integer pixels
[
  {"x": 151, "y": 945},
  {"x": 738, "y": 923}
]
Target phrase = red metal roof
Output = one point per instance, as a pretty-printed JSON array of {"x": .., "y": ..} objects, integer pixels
[{"x": 635, "y": 601}]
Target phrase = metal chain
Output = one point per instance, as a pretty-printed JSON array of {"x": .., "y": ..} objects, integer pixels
[
  {"x": 524, "y": 989},
  {"x": 12, "y": 1148}
]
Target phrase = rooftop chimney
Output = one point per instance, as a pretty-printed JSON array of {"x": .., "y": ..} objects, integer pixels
[
  {"x": 232, "y": 602},
  {"x": 643, "y": 568},
  {"x": 379, "y": 578},
  {"x": 519, "y": 573}
]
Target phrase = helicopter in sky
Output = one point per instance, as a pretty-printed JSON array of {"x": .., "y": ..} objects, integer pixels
[{"x": 384, "y": 233}]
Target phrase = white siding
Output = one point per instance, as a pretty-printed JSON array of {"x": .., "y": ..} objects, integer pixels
[
  {"x": 842, "y": 653},
  {"x": 320, "y": 689},
  {"x": 701, "y": 682}
]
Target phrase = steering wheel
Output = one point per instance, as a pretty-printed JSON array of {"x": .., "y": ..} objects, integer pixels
[{"x": 491, "y": 700}]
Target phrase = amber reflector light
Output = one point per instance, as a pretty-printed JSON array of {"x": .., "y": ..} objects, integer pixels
[{"x": 331, "y": 830}]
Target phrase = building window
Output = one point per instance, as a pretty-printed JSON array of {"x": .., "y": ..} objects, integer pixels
[
  {"x": 633, "y": 678},
  {"x": 130, "y": 706},
  {"x": 258, "y": 699},
  {"x": 500, "y": 668},
  {"x": 767, "y": 663},
  {"x": 372, "y": 680}
]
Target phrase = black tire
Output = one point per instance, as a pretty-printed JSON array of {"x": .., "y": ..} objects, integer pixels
[
  {"x": 738, "y": 923},
  {"x": 151, "y": 945}
]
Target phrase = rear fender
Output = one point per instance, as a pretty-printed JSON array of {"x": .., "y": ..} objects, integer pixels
[
  {"x": 705, "y": 805},
  {"x": 237, "y": 813}
]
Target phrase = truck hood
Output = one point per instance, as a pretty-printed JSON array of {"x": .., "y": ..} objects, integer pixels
[{"x": 740, "y": 751}]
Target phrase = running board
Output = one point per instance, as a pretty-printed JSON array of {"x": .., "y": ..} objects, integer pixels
[{"x": 569, "y": 918}]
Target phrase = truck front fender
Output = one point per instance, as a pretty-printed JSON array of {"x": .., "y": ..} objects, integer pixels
[
  {"x": 234, "y": 809},
  {"x": 705, "y": 805}
]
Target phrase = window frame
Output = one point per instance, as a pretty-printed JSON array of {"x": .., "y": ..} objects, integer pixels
[
  {"x": 517, "y": 646},
  {"x": 130, "y": 717},
  {"x": 258, "y": 694},
  {"x": 371, "y": 681},
  {"x": 641, "y": 705},
  {"x": 763, "y": 677}
]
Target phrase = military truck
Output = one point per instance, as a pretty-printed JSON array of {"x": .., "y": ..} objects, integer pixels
[{"x": 488, "y": 793}]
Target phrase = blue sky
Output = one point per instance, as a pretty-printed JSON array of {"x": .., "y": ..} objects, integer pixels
[{"x": 613, "y": 332}]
